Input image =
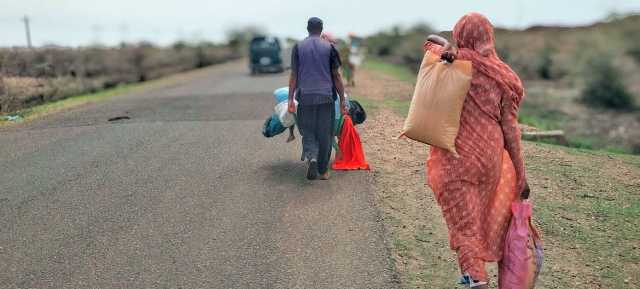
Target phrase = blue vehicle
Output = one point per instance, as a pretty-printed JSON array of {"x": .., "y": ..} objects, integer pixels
[{"x": 265, "y": 55}]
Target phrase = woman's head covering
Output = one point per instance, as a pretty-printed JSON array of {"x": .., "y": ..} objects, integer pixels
[
  {"x": 474, "y": 37},
  {"x": 328, "y": 36}
]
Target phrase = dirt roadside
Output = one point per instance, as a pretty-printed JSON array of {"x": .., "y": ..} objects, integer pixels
[{"x": 585, "y": 202}]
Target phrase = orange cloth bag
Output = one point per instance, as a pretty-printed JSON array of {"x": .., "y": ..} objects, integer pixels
[
  {"x": 351, "y": 156},
  {"x": 434, "y": 114}
]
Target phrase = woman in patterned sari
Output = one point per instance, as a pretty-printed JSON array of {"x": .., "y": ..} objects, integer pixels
[{"x": 476, "y": 189}]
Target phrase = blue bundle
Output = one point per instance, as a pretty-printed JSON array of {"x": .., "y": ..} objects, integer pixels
[{"x": 281, "y": 94}]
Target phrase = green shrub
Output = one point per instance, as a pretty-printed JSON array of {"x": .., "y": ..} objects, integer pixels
[
  {"x": 633, "y": 45},
  {"x": 400, "y": 46},
  {"x": 383, "y": 44},
  {"x": 545, "y": 62},
  {"x": 503, "y": 52},
  {"x": 581, "y": 143},
  {"x": 239, "y": 37},
  {"x": 635, "y": 52},
  {"x": 2, "y": 93},
  {"x": 605, "y": 87}
]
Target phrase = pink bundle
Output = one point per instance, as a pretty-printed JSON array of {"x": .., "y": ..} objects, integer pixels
[{"x": 522, "y": 260}]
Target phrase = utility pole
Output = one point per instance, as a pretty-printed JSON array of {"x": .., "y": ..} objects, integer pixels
[{"x": 28, "y": 30}]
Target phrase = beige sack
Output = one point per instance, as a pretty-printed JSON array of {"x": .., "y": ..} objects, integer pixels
[{"x": 434, "y": 114}]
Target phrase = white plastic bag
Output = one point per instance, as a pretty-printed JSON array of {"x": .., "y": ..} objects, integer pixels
[{"x": 282, "y": 111}]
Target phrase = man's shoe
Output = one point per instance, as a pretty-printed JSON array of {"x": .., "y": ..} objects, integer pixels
[
  {"x": 312, "y": 171},
  {"x": 324, "y": 176}
]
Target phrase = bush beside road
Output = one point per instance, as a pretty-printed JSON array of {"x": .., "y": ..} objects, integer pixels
[{"x": 30, "y": 77}]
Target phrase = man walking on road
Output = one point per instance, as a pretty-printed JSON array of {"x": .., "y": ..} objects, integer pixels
[{"x": 315, "y": 81}]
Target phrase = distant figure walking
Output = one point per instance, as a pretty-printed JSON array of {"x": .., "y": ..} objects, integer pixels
[
  {"x": 476, "y": 189},
  {"x": 348, "y": 69},
  {"x": 350, "y": 52},
  {"x": 315, "y": 82}
]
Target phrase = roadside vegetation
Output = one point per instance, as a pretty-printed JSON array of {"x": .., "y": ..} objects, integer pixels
[
  {"x": 29, "y": 77},
  {"x": 35, "y": 111},
  {"x": 38, "y": 110},
  {"x": 584, "y": 80}
]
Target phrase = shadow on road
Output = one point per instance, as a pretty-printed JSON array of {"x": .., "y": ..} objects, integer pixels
[
  {"x": 286, "y": 172},
  {"x": 293, "y": 173}
]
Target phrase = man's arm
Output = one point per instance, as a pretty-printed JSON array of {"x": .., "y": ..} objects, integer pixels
[
  {"x": 337, "y": 79},
  {"x": 293, "y": 78},
  {"x": 446, "y": 52},
  {"x": 292, "y": 90},
  {"x": 336, "y": 62}
]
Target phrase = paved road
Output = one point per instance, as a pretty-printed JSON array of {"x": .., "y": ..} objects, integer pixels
[{"x": 185, "y": 194}]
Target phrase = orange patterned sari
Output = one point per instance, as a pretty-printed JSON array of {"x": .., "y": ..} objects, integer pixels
[{"x": 475, "y": 191}]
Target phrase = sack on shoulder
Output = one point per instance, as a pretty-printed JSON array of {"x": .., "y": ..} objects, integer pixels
[{"x": 434, "y": 114}]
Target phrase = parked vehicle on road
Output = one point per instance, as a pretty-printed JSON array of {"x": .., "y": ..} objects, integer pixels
[{"x": 265, "y": 55}]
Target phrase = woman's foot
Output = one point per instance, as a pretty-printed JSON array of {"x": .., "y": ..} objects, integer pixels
[{"x": 471, "y": 283}]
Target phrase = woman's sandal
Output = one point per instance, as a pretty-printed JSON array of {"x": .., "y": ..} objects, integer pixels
[{"x": 467, "y": 280}]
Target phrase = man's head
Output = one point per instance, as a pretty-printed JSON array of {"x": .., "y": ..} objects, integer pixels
[{"x": 314, "y": 26}]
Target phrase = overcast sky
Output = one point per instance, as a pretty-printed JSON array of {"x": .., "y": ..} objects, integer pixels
[{"x": 81, "y": 22}]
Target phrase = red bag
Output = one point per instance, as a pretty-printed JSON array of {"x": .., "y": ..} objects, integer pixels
[
  {"x": 522, "y": 259},
  {"x": 351, "y": 156}
]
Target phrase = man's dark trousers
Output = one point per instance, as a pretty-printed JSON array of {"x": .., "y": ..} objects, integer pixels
[{"x": 316, "y": 124}]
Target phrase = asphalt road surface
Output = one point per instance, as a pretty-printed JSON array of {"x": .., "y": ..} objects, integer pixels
[{"x": 186, "y": 193}]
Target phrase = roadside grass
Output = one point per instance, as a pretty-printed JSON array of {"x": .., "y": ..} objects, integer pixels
[
  {"x": 541, "y": 117},
  {"x": 34, "y": 112},
  {"x": 70, "y": 102},
  {"x": 367, "y": 103},
  {"x": 399, "y": 106},
  {"x": 402, "y": 246},
  {"x": 397, "y": 71},
  {"x": 44, "y": 109},
  {"x": 588, "y": 203}
]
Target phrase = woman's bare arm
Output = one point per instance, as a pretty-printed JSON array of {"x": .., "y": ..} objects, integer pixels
[
  {"x": 437, "y": 39},
  {"x": 512, "y": 143},
  {"x": 446, "y": 53}
]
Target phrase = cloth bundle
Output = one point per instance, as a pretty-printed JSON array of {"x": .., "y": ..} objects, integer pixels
[
  {"x": 351, "y": 156},
  {"x": 282, "y": 111},
  {"x": 272, "y": 126},
  {"x": 522, "y": 259}
]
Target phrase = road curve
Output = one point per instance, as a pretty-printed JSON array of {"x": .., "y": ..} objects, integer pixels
[{"x": 186, "y": 193}]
